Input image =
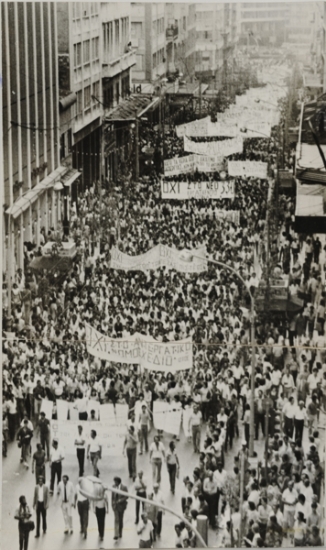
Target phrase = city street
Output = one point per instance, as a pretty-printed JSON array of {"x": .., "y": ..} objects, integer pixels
[{"x": 17, "y": 481}]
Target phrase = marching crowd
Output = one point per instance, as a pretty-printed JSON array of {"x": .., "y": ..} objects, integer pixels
[{"x": 47, "y": 359}]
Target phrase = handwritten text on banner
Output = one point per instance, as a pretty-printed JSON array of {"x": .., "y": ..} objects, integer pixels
[
  {"x": 140, "y": 349},
  {"x": 224, "y": 147},
  {"x": 182, "y": 190},
  {"x": 159, "y": 256},
  {"x": 247, "y": 168}
]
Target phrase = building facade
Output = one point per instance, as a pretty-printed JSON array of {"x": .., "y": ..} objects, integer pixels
[
  {"x": 30, "y": 99},
  {"x": 95, "y": 61},
  {"x": 263, "y": 23}
]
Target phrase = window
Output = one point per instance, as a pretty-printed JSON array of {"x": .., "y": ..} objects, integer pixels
[
  {"x": 125, "y": 31},
  {"x": 94, "y": 8},
  {"x": 136, "y": 30},
  {"x": 77, "y": 54},
  {"x": 154, "y": 60},
  {"x": 62, "y": 147},
  {"x": 184, "y": 23},
  {"x": 85, "y": 8},
  {"x": 108, "y": 40},
  {"x": 125, "y": 86},
  {"x": 117, "y": 36},
  {"x": 95, "y": 47},
  {"x": 96, "y": 92},
  {"x": 87, "y": 98},
  {"x": 108, "y": 96},
  {"x": 69, "y": 140},
  {"x": 79, "y": 102},
  {"x": 117, "y": 92},
  {"x": 86, "y": 51},
  {"x": 139, "y": 62}
]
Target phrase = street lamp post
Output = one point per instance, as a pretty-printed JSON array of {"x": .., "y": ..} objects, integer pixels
[{"x": 188, "y": 258}]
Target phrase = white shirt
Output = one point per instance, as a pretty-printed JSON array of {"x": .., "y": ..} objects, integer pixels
[
  {"x": 157, "y": 452},
  {"x": 40, "y": 497},
  {"x": 56, "y": 454},
  {"x": 94, "y": 445}
]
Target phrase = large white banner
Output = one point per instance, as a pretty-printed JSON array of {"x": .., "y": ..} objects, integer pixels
[
  {"x": 224, "y": 147},
  {"x": 190, "y": 163},
  {"x": 141, "y": 350},
  {"x": 159, "y": 256},
  {"x": 111, "y": 434},
  {"x": 182, "y": 190},
  {"x": 167, "y": 417},
  {"x": 195, "y": 128},
  {"x": 228, "y": 215},
  {"x": 248, "y": 168}
]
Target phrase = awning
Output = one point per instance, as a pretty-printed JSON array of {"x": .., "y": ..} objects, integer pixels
[
  {"x": 69, "y": 178},
  {"x": 49, "y": 263},
  {"x": 32, "y": 195},
  {"x": 133, "y": 107},
  {"x": 67, "y": 101}
]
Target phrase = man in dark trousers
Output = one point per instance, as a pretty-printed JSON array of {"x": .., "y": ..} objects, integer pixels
[
  {"x": 24, "y": 437},
  {"x": 119, "y": 505},
  {"x": 56, "y": 457},
  {"x": 44, "y": 427},
  {"x": 40, "y": 505}
]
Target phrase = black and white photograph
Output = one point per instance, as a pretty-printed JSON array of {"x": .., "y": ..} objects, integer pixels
[{"x": 163, "y": 188}]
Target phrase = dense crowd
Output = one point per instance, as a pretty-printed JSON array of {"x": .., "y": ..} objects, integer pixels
[{"x": 47, "y": 357}]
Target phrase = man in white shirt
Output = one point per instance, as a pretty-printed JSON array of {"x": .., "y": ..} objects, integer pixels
[
  {"x": 41, "y": 504},
  {"x": 56, "y": 457},
  {"x": 94, "y": 452},
  {"x": 289, "y": 499},
  {"x": 146, "y": 531},
  {"x": 83, "y": 509},
  {"x": 289, "y": 410},
  {"x": 67, "y": 499},
  {"x": 299, "y": 420}
]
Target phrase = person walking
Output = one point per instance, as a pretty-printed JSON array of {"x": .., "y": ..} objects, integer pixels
[
  {"x": 156, "y": 457},
  {"x": 130, "y": 448},
  {"x": 144, "y": 422},
  {"x": 24, "y": 437},
  {"x": 23, "y": 515},
  {"x": 119, "y": 505},
  {"x": 82, "y": 504},
  {"x": 80, "y": 443},
  {"x": 56, "y": 457},
  {"x": 140, "y": 488},
  {"x": 44, "y": 427},
  {"x": 101, "y": 509},
  {"x": 94, "y": 452},
  {"x": 40, "y": 505},
  {"x": 67, "y": 499},
  {"x": 38, "y": 462},
  {"x": 299, "y": 420},
  {"x": 158, "y": 499},
  {"x": 146, "y": 531},
  {"x": 173, "y": 465},
  {"x": 195, "y": 420}
]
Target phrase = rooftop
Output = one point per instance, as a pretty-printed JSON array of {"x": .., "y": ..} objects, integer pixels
[{"x": 135, "y": 106}]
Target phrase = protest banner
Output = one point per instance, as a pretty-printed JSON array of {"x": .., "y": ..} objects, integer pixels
[
  {"x": 93, "y": 406},
  {"x": 47, "y": 408},
  {"x": 185, "y": 421},
  {"x": 228, "y": 215},
  {"x": 190, "y": 163},
  {"x": 62, "y": 409},
  {"x": 159, "y": 256},
  {"x": 73, "y": 411},
  {"x": 248, "y": 168},
  {"x": 159, "y": 409},
  {"x": 106, "y": 411},
  {"x": 197, "y": 190},
  {"x": 111, "y": 434},
  {"x": 224, "y": 147},
  {"x": 140, "y": 349},
  {"x": 167, "y": 417},
  {"x": 179, "y": 165},
  {"x": 194, "y": 128}
]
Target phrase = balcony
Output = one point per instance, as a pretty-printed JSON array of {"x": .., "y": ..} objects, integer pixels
[
  {"x": 172, "y": 33},
  {"x": 112, "y": 67}
]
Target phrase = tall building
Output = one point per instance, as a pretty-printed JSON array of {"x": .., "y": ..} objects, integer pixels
[
  {"x": 148, "y": 38},
  {"x": 95, "y": 61},
  {"x": 263, "y": 23},
  {"x": 30, "y": 99},
  {"x": 212, "y": 34}
]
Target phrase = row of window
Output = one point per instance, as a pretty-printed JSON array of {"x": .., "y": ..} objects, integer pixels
[
  {"x": 263, "y": 14},
  {"x": 204, "y": 35},
  {"x": 115, "y": 37},
  {"x": 84, "y": 9},
  {"x": 159, "y": 26},
  {"x": 84, "y": 98},
  {"x": 158, "y": 57},
  {"x": 86, "y": 51}
]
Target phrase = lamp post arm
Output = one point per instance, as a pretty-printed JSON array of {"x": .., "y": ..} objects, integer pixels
[{"x": 161, "y": 506}]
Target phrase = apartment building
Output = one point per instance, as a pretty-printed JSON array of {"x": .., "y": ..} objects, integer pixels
[
  {"x": 263, "y": 23},
  {"x": 30, "y": 131}
]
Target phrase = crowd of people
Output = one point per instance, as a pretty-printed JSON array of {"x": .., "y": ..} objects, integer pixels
[{"x": 47, "y": 359}]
